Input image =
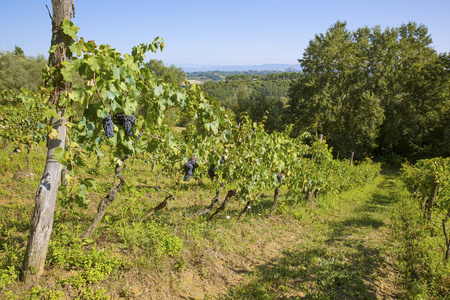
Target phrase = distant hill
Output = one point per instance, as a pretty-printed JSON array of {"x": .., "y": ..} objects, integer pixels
[
  {"x": 201, "y": 77},
  {"x": 265, "y": 67}
]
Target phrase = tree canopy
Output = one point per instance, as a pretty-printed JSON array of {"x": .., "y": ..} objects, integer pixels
[
  {"x": 374, "y": 92},
  {"x": 19, "y": 71}
]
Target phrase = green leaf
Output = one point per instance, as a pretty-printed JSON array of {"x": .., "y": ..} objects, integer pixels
[
  {"x": 158, "y": 91},
  {"x": 58, "y": 154},
  {"x": 116, "y": 73},
  {"x": 69, "y": 29},
  {"x": 64, "y": 99},
  {"x": 67, "y": 75},
  {"x": 51, "y": 112},
  {"x": 76, "y": 49},
  {"x": 92, "y": 61},
  {"x": 53, "y": 48},
  {"x": 130, "y": 107},
  {"x": 103, "y": 113}
]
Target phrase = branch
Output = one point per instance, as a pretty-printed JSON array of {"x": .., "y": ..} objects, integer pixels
[
  {"x": 445, "y": 229},
  {"x": 49, "y": 14},
  {"x": 73, "y": 8},
  {"x": 157, "y": 179}
]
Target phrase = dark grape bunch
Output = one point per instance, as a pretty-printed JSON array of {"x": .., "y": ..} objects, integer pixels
[
  {"x": 212, "y": 169},
  {"x": 189, "y": 169},
  {"x": 126, "y": 122},
  {"x": 280, "y": 178},
  {"x": 108, "y": 126}
]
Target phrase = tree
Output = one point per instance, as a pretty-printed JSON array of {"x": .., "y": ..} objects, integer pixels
[
  {"x": 334, "y": 96},
  {"x": 372, "y": 91},
  {"x": 42, "y": 219},
  {"x": 18, "y": 71},
  {"x": 170, "y": 74},
  {"x": 18, "y": 51}
]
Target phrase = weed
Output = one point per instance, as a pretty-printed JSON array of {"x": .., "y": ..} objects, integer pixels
[
  {"x": 420, "y": 253},
  {"x": 154, "y": 238},
  {"x": 9, "y": 264},
  {"x": 38, "y": 293},
  {"x": 91, "y": 265}
]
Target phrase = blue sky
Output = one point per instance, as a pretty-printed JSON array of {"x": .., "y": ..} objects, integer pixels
[{"x": 232, "y": 32}]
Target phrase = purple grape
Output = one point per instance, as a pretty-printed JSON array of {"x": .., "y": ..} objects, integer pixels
[{"x": 108, "y": 126}]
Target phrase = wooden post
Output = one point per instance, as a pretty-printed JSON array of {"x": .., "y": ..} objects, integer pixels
[
  {"x": 45, "y": 200},
  {"x": 351, "y": 159}
]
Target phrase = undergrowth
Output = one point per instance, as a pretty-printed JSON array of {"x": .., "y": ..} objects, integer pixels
[{"x": 420, "y": 249}]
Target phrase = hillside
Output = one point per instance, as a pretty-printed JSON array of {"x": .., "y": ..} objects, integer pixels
[
  {"x": 216, "y": 75},
  {"x": 241, "y": 68}
]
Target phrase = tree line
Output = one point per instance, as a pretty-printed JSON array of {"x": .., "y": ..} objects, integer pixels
[
  {"x": 19, "y": 71},
  {"x": 375, "y": 92},
  {"x": 372, "y": 92}
]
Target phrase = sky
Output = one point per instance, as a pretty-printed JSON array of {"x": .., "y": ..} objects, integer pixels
[{"x": 204, "y": 33}]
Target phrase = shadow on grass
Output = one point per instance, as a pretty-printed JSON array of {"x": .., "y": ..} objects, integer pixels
[
  {"x": 343, "y": 265},
  {"x": 314, "y": 273}
]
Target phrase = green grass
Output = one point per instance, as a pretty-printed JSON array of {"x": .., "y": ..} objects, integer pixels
[{"x": 339, "y": 254}]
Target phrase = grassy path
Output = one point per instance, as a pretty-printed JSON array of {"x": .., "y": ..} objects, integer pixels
[{"x": 341, "y": 252}]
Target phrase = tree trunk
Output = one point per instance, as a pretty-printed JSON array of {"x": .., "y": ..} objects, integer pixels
[
  {"x": 214, "y": 201},
  {"x": 422, "y": 202},
  {"x": 430, "y": 201},
  {"x": 5, "y": 144},
  {"x": 162, "y": 204},
  {"x": 245, "y": 210},
  {"x": 103, "y": 205},
  {"x": 275, "y": 201},
  {"x": 230, "y": 194},
  {"x": 97, "y": 165},
  {"x": 158, "y": 207},
  {"x": 308, "y": 195},
  {"x": 316, "y": 195},
  {"x": 447, "y": 240},
  {"x": 42, "y": 219}
]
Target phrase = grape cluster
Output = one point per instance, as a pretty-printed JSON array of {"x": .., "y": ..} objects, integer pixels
[
  {"x": 212, "y": 169},
  {"x": 108, "y": 126},
  {"x": 280, "y": 177},
  {"x": 126, "y": 122},
  {"x": 189, "y": 168}
]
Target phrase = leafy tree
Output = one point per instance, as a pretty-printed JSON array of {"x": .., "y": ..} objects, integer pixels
[
  {"x": 18, "y": 51},
  {"x": 260, "y": 98},
  {"x": 372, "y": 91},
  {"x": 334, "y": 96},
  {"x": 18, "y": 71},
  {"x": 170, "y": 74}
]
